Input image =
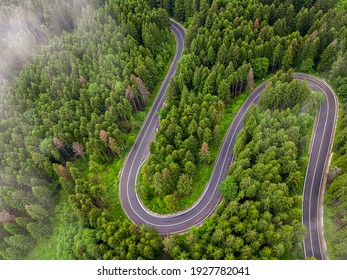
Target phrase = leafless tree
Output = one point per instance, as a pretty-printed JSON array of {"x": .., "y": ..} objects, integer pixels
[
  {"x": 83, "y": 80},
  {"x": 6, "y": 217},
  {"x": 63, "y": 172},
  {"x": 142, "y": 90},
  {"x": 129, "y": 94},
  {"x": 103, "y": 136},
  {"x": 250, "y": 79},
  {"x": 60, "y": 145},
  {"x": 256, "y": 23},
  {"x": 314, "y": 35},
  {"x": 78, "y": 150}
]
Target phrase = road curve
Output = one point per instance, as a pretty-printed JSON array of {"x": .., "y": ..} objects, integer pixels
[
  {"x": 320, "y": 148},
  {"x": 205, "y": 206}
]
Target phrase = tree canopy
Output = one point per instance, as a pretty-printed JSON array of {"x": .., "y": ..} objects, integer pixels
[{"x": 75, "y": 101}]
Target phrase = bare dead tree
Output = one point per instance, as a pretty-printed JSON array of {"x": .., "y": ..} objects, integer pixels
[
  {"x": 250, "y": 79},
  {"x": 60, "y": 145},
  {"x": 256, "y": 23},
  {"x": 83, "y": 80},
  {"x": 314, "y": 35},
  {"x": 6, "y": 218},
  {"x": 113, "y": 146},
  {"x": 103, "y": 136},
  {"x": 129, "y": 94},
  {"x": 63, "y": 172},
  {"x": 78, "y": 150},
  {"x": 142, "y": 90}
]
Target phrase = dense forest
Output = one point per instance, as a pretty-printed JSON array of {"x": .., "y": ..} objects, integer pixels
[
  {"x": 73, "y": 111},
  {"x": 336, "y": 198},
  {"x": 26, "y": 25},
  {"x": 229, "y": 45},
  {"x": 260, "y": 217},
  {"x": 75, "y": 101}
]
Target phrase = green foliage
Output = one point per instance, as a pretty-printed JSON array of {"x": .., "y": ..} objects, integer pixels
[
  {"x": 280, "y": 95},
  {"x": 341, "y": 5},
  {"x": 338, "y": 74},
  {"x": 36, "y": 212},
  {"x": 78, "y": 99},
  {"x": 307, "y": 65},
  {"x": 39, "y": 230},
  {"x": 229, "y": 188},
  {"x": 260, "y": 216},
  {"x": 32, "y": 24},
  {"x": 260, "y": 67},
  {"x": 199, "y": 173},
  {"x": 328, "y": 56},
  {"x": 70, "y": 116},
  {"x": 227, "y": 44},
  {"x": 336, "y": 195}
]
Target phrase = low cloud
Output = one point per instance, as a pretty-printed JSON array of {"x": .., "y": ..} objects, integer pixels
[{"x": 26, "y": 27}]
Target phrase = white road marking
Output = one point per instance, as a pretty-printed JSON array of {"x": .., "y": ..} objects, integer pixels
[
  {"x": 312, "y": 82},
  {"x": 145, "y": 155}
]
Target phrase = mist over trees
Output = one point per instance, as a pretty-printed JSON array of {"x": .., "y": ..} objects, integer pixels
[
  {"x": 74, "y": 103},
  {"x": 26, "y": 26},
  {"x": 72, "y": 108}
]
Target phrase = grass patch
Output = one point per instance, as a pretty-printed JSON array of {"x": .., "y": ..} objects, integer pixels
[{"x": 65, "y": 225}]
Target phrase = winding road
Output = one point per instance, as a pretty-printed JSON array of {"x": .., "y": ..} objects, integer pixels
[
  {"x": 320, "y": 148},
  {"x": 205, "y": 206}
]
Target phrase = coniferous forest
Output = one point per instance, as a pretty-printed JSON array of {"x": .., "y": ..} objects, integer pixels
[{"x": 74, "y": 97}]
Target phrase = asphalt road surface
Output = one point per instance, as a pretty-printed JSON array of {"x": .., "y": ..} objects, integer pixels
[
  {"x": 319, "y": 154},
  {"x": 207, "y": 203}
]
